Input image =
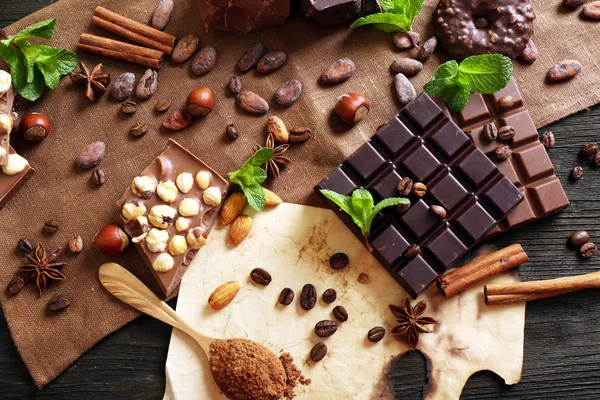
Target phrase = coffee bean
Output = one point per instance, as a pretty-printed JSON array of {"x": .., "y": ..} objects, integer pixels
[
  {"x": 588, "y": 250},
  {"x": 402, "y": 208},
  {"x": 286, "y": 296},
  {"x": 232, "y": 132},
  {"x": 405, "y": 91},
  {"x": 129, "y": 107},
  {"x": 138, "y": 129},
  {"x": 506, "y": 103},
  {"x": 98, "y": 177},
  {"x": 340, "y": 313},
  {"x": 548, "y": 139},
  {"x": 579, "y": 238},
  {"x": 577, "y": 173},
  {"x": 490, "y": 132},
  {"x": 162, "y": 105},
  {"x": 338, "y": 261},
  {"x": 300, "y": 134},
  {"x": 50, "y": 226},
  {"x": 235, "y": 84},
  {"x": 419, "y": 189},
  {"x": 405, "y": 186},
  {"x": 308, "y": 297},
  {"x": 339, "y": 71},
  {"x": 412, "y": 251},
  {"x": 407, "y": 66},
  {"x": 251, "y": 57},
  {"x": 25, "y": 246},
  {"x": 271, "y": 62},
  {"x": 506, "y": 132},
  {"x": 204, "y": 61},
  {"x": 402, "y": 40},
  {"x": 564, "y": 70},
  {"x": 439, "y": 211},
  {"x": 376, "y": 334},
  {"x": 147, "y": 85},
  {"x": 503, "y": 152},
  {"x": 15, "y": 285},
  {"x": 123, "y": 86},
  {"x": 260, "y": 276},
  {"x": 58, "y": 303},
  {"x": 589, "y": 149},
  {"x": 325, "y": 328},
  {"x": 329, "y": 296},
  {"x": 427, "y": 49},
  {"x": 91, "y": 155},
  {"x": 318, "y": 352},
  {"x": 530, "y": 53},
  {"x": 184, "y": 49},
  {"x": 591, "y": 10},
  {"x": 289, "y": 93}
]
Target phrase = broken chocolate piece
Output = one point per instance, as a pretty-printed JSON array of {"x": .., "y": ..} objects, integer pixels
[
  {"x": 243, "y": 15},
  {"x": 10, "y": 184}
]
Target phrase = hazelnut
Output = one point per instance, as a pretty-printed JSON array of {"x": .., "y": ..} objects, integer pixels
[
  {"x": 203, "y": 179},
  {"x": 6, "y": 123},
  {"x": 189, "y": 207},
  {"x": 212, "y": 196},
  {"x": 178, "y": 245},
  {"x": 16, "y": 164},
  {"x": 156, "y": 240},
  {"x": 5, "y": 81},
  {"x": 76, "y": 244},
  {"x": 34, "y": 127},
  {"x": 144, "y": 228},
  {"x": 162, "y": 216},
  {"x": 196, "y": 238},
  {"x": 352, "y": 107},
  {"x": 167, "y": 191},
  {"x": 143, "y": 186},
  {"x": 163, "y": 263},
  {"x": 111, "y": 240},
  {"x": 133, "y": 209},
  {"x": 184, "y": 182},
  {"x": 182, "y": 224},
  {"x": 200, "y": 102}
]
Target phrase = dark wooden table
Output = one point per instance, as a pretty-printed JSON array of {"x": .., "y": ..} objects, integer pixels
[{"x": 562, "y": 346}]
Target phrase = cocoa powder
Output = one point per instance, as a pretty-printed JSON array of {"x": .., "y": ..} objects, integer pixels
[{"x": 293, "y": 375}]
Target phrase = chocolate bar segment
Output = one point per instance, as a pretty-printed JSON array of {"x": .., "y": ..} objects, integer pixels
[
  {"x": 422, "y": 143},
  {"x": 6, "y": 123},
  {"x": 339, "y": 12},
  {"x": 243, "y": 15},
  {"x": 10, "y": 184},
  {"x": 177, "y": 169},
  {"x": 529, "y": 167}
]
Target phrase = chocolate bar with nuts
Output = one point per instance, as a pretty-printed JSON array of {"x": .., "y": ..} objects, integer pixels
[
  {"x": 169, "y": 211},
  {"x": 13, "y": 176},
  {"x": 6, "y": 122}
]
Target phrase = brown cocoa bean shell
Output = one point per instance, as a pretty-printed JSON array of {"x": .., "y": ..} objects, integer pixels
[
  {"x": 591, "y": 10},
  {"x": 339, "y": 71},
  {"x": 123, "y": 86},
  {"x": 235, "y": 84},
  {"x": 530, "y": 53},
  {"x": 204, "y": 61},
  {"x": 91, "y": 155},
  {"x": 251, "y": 57},
  {"x": 564, "y": 70},
  {"x": 271, "y": 62},
  {"x": 147, "y": 85},
  {"x": 177, "y": 120},
  {"x": 289, "y": 93},
  {"x": 162, "y": 14},
  {"x": 427, "y": 49},
  {"x": 405, "y": 91},
  {"x": 184, "y": 49},
  {"x": 403, "y": 42},
  {"x": 406, "y": 66},
  {"x": 252, "y": 103}
]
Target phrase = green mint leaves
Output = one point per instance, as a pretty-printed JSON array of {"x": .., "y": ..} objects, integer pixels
[
  {"x": 398, "y": 16},
  {"x": 251, "y": 175},
  {"x": 35, "y": 67},
  {"x": 361, "y": 207},
  {"x": 486, "y": 73}
]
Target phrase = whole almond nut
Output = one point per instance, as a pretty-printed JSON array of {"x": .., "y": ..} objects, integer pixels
[
  {"x": 407, "y": 66},
  {"x": 251, "y": 57},
  {"x": 591, "y": 10},
  {"x": 177, "y": 120},
  {"x": 564, "y": 70},
  {"x": 232, "y": 207},
  {"x": 289, "y": 93},
  {"x": 252, "y": 103},
  {"x": 147, "y": 85},
  {"x": 530, "y": 53},
  {"x": 271, "y": 61},
  {"x": 204, "y": 61},
  {"x": 271, "y": 198},
  {"x": 339, "y": 71},
  {"x": 162, "y": 14},
  {"x": 223, "y": 295},
  {"x": 91, "y": 155},
  {"x": 405, "y": 91},
  {"x": 300, "y": 134},
  {"x": 240, "y": 229},
  {"x": 184, "y": 49},
  {"x": 276, "y": 127}
]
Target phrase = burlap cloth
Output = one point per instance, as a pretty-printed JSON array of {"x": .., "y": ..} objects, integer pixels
[{"x": 61, "y": 191}]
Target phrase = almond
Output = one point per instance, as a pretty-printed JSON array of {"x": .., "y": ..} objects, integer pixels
[
  {"x": 240, "y": 229},
  {"x": 276, "y": 127},
  {"x": 223, "y": 295},
  {"x": 272, "y": 198},
  {"x": 233, "y": 207}
]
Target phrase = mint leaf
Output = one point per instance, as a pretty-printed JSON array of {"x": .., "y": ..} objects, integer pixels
[
  {"x": 486, "y": 73},
  {"x": 457, "y": 96},
  {"x": 261, "y": 157},
  {"x": 33, "y": 90},
  {"x": 251, "y": 175},
  {"x": 42, "y": 29},
  {"x": 438, "y": 83},
  {"x": 255, "y": 195},
  {"x": 343, "y": 202},
  {"x": 30, "y": 54},
  {"x": 412, "y": 8},
  {"x": 390, "y": 6},
  {"x": 387, "y": 22},
  {"x": 362, "y": 206},
  {"x": 389, "y": 202},
  {"x": 55, "y": 63}
]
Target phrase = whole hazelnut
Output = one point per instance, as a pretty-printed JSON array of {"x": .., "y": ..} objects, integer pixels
[
  {"x": 200, "y": 102},
  {"x": 34, "y": 127},
  {"x": 111, "y": 240},
  {"x": 352, "y": 107}
]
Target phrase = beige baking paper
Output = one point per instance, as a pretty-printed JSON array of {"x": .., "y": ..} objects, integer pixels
[{"x": 294, "y": 244}]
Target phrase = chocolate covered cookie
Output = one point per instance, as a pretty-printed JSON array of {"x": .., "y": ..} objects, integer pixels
[{"x": 470, "y": 27}]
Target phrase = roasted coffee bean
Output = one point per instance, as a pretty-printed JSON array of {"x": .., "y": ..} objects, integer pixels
[
  {"x": 402, "y": 40},
  {"x": 286, "y": 296},
  {"x": 419, "y": 189},
  {"x": 289, "y": 93},
  {"x": 405, "y": 91},
  {"x": 232, "y": 132},
  {"x": 407, "y": 66},
  {"x": 325, "y": 328},
  {"x": 402, "y": 208},
  {"x": 271, "y": 62},
  {"x": 376, "y": 334},
  {"x": 300, "y": 134},
  {"x": 235, "y": 84},
  {"x": 597, "y": 159},
  {"x": 405, "y": 186},
  {"x": 588, "y": 250},
  {"x": 506, "y": 132},
  {"x": 439, "y": 211},
  {"x": 490, "y": 132},
  {"x": 308, "y": 297},
  {"x": 329, "y": 295},
  {"x": 204, "y": 61},
  {"x": 129, "y": 107},
  {"x": 340, "y": 313},
  {"x": 252, "y": 103},
  {"x": 50, "y": 226},
  {"x": 503, "y": 152},
  {"x": 260, "y": 276},
  {"x": 184, "y": 49},
  {"x": 138, "y": 129},
  {"x": 530, "y": 53},
  {"x": 506, "y": 102},
  {"x": 591, "y": 10},
  {"x": 412, "y": 251},
  {"x": 162, "y": 14},
  {"x": 573, "y": 3},
  {"x": 58, "y": 303},
  {"x": 548, "y": 139},
  {"x": 251, "y": 57},
  {"x": 147, "y": 85},
  {"x": 318, "y": 352},
  {"x": 339, "y": 71},
  {"x": 338, "y": 261},
  {"x": 123, "y": 86},
  {"x": 589, "y": 149},
  {"x": 564, "y": 70},
  {"x": 162, "y": 105},
  {"x": 98, "y": 177},
  {"x": 25, "y": 245},
  {"x": 177, "y": 120},
  {"x": 577, "y": 173},
  {"x": 579, "y": 238},
  {"x": 427, "y": 49},
  {"x": 15, "y": 285}
]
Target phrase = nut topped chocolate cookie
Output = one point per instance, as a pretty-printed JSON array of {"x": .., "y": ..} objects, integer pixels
[{"x": 471, "y": 27}]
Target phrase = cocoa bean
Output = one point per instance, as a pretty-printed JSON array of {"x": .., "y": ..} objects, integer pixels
[
  {"x": 162, "y": 14},
  {"x": 289, "y": 93},
  {"x": 277, "y": 128},
  {"x": 235, "y": 84},
  {"x": 339, "y": 71},
  {"x": 123, "y": 86},
  {"x": 404, "y": 89},
  {"x": 591, "y": 10},
  {"x": 147, "y": 85},
  {"x": 251, "y": 57},
  {"x": 204, "y": 61},
  {"x": 184, "y": 49},
  {"x": 566, "y": 69},
  {"x": 177, "y": 120},
  {"x": 530, "y": 53},
  {"x": 573, "y": 3},
  {"x": 300, "y": 134},
  {"x": 427, "y": 49},
  {"x": 407, "y": 66},
  {"x": 232, "y": 132},
  {"x": 252, "y": 103},
  {"x": 402, "y": 40},
  {"x": 91, "y": 155},
  {"x": 271, "y": 61}
]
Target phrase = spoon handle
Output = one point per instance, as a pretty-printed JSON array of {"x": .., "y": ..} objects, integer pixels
[{"x": 130, "y": 290}]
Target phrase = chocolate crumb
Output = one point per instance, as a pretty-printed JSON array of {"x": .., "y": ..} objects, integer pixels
[{"x": 363, "y": 278}]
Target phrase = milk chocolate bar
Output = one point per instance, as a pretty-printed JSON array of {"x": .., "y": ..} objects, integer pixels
[
  {"x": 10, "y": 184},
  {"x": 6, "y": 123},
  {"x": 529, "y": 166},
  {"x": 243, "y": 15},
  {"x": 422, "y": 143},
  {"x": 169, "y": 210}
]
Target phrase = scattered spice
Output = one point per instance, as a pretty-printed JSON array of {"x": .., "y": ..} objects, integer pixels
[
  {"x": 44, "y": 267},
  {"x": 273, "y": 166},
  {"x": 96, "y": 81},
  {"x": 411, "y": 321}
]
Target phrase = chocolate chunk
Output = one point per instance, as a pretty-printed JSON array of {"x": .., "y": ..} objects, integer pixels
[
  {"x": 10, "y": 184},
  {"x": 332, "y": 12},
  {"x": 243, "y": 15}
]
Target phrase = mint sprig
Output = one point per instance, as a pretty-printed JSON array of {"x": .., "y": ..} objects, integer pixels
[
  {"x": 250, "y": 176},
  {"x": 361, "y": 208},
  {"x": 485, "y": 73},
  {"x": 35, "y": 67}
]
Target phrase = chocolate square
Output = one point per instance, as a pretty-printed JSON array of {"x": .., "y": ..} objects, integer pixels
[
  {"x": 387, "y": 186},
  {"x": 446, "y": 247},
  {"x": 366, "y": 161},
  {"x": 389, "y": 245},
  {"x": 394, "y": 136},
  {"x": 339, "y": 182},
  {"x": 417, "y": 275},
  {"x": 420, "y": 163}
]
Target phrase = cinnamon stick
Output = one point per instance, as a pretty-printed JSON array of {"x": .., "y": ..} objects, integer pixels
[
  {"x": 154, "y": 63},
  {"x": 129, "y": 35},
  {"x": 534, "y": 290},
  {"x": 116, "y": 45},
  {"x": 482, "y": 268}
]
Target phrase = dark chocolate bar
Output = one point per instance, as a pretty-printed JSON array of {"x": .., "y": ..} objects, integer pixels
[
  {"x": 339, "y": 12},
  {"x": 529, "y": 166},
  {"x": 243, "y": 15},
  {"x": 422, "y": 143},
  {"x": 10, "y": 184}
]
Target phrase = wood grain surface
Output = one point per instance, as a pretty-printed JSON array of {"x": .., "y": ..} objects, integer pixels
[{"x": 562, "y": 346}]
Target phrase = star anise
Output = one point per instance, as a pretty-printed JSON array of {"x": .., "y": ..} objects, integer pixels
[
  {"x": 274, "y": 164},
  {"x": 44, "y": 267},
  {"x": 96, "y": 81},
  {"x": 411, "y": 321}
]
